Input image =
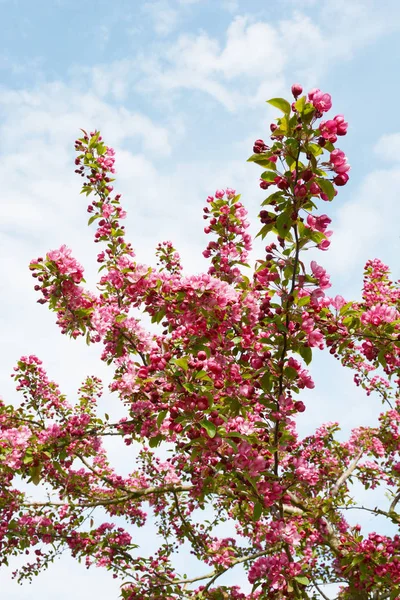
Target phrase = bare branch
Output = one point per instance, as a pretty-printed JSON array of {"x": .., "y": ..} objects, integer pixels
[
  {"x": 394, "y": 503},
  {"x": 347, "y": 473}
]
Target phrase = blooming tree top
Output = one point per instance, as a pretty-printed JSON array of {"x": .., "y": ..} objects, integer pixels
[{"x": 220, "y": 383}]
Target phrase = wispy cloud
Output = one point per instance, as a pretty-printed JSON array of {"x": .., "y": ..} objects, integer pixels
[{"x": 164, "y": 17}]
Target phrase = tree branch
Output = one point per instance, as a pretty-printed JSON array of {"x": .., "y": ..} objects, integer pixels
[{"x": 347, "y": 473}]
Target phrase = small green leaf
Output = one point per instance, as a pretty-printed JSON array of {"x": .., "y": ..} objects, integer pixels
[
  {"x": 268, "y": 176},
  {"x": 303, "y": 301},
  {"x": 158, "y": 317},
  {"x": 302, "y": 580},
  {"x": 35, "y": 474},
  {"x": 265, "y": 381},
  {"x": 155, "y": 441},
  {"x": 161, "y": 417},
  {"x": 265, "y": 230},
  {"x": 261, "y": 160},
  {"x": 300, "y": 104},
  {"x": 306, "y": 353},
  {"x": 257, "y": 512},
  {"x": 93, "y": 218},
  {"x": 280, "y": 103},
  {"x": 209, "y": 427},
  {"x": 315, "y": 149},
  {"x": 283, "y": 224},
  {"x": 182, "y": 363},
  {"x": 327, "y": 187},
  {"x": 232, "y": 444}
]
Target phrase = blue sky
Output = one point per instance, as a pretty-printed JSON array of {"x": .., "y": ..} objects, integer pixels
[{"x": 178, "y": 88}]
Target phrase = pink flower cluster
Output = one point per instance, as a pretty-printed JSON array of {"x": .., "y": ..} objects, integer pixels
[
  {"x": 277, "y": 569},
  {"x": 322, "y": 102},
  {"x": 333, "y": 127},
  {"x": 340, "y": 165},
  {"x": 381, "y": 313},
  {"x": 228, "y": 221},
  {"x": 66, "y": 264}
]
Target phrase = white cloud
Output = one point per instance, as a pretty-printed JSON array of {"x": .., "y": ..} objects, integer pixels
[
  {"x": 165, "y": 18},
  {"x": 388, "y": 147},
  {"x": 231, "y": 5},
  {"x": 366, "y": 227},
  {"x": 198, "y": 62},
  {"x": 259, "y": 50}
]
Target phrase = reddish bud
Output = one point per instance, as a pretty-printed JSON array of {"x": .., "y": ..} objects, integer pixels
[{"x": 296, "y": 90}]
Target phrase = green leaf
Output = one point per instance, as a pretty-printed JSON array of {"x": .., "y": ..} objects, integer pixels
[
  {"x": 161, "y": 417},
  {"x": 261, "y": 160},
  {"x": 290, "y": 372},
  {"x": 232, "y": 444},
  {"x": 202, "y": 375},
  {"x": 181, "y": 362},
  {"x": 308, "y": 112},
  {"x": 300, "y": 104},
  {"x": 381, "y": 358},
  {"x": 93, "y": 218},
  {"x": 283, "y": 126},
  {"x": 327, "y": 187},
  {"x": 257, "y": 512},
  {"x": 303, "y": 301},
  {"x": 155, "y": 441},
  {"x": 268, "y": 176},
  {"x": 265, "y": 381},
  {"x": 35, "y": 474},
  {"x": 209, "y": 427},
  {"x": 302, "y": 580},
  {"x": 283, "y": 224},
  {"x": 158, "y": 317},
  {"x": 315, "y": 149},
  {"x": 306, "y": 353},
  {"x": 265, "y": 230},
  {"x": 280, "y": 103}
]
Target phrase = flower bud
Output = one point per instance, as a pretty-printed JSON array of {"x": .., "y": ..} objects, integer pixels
[
  {"x": 259, "y": 146},
  {"x": 341, "y": 179},
  {"x": 296, "y": 90}
]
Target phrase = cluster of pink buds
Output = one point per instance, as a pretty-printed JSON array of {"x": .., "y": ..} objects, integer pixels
[{"x": 341, "y": 167}]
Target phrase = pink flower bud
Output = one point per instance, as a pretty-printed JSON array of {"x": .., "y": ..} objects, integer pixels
[
  {"x": 341, "y": 179},
  {"x": 259, "y": 147},
  {"x": 341, "y": 125},
  {"x": 314, "y": 188},
  {"x": 300, "y": 191},
  {"x": 297, "y": 90}
]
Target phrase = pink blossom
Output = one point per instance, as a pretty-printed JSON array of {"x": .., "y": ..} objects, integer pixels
[
  {"x": 338, "y": 302},
  {"x": 342, "y": 125},
  {"x": 321, "y": 275},
  {"x": 381, "y": 313},
  {"x": 66, "y": 264},
  {"x": 322, "y": 102}
]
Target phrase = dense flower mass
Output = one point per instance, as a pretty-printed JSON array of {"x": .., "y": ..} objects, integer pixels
[{"x": 218, "y": 379}]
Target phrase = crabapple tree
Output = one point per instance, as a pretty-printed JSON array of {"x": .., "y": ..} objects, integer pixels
[{"x": 219, "y": 383}]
